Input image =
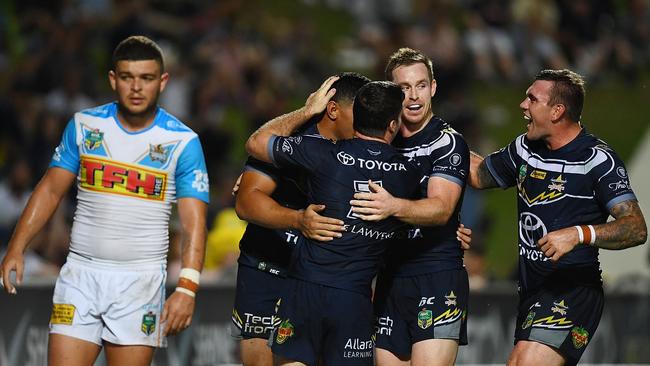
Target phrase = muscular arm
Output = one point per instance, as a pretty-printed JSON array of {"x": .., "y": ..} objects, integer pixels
[
  {"x": 41, "y": 206},
  {"x": 479, "y": 175},
  {"x": 627, "y": 230},
  {"x": 435, "y": 210},
  {"x": 179, "y": 307},
  {"x": 254, "y": 204},
  {"x": 285, "y": 125}
]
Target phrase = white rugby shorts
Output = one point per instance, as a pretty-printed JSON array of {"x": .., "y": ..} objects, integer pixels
[{"x": 103, "y": 303}]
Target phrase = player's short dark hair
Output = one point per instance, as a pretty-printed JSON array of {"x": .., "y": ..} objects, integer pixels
[
  {"x": 404, "y": 57},
  {"x": 568, "y": 89},
  {"x": 347, "y": 86},
  {"x": 377, "y": 103},
  {"x": 138, "y": 48}
]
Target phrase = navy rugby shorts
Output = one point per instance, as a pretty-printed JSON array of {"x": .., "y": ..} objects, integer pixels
[
  {"x": 563, "y": 317},
  {"x": 324, "y": 325},
  {"x": 417, "y": 308},
  {"x": 256, "y": 298}
]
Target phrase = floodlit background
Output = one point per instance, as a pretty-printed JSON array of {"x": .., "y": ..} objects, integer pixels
[{"x": 235, "y": 64}]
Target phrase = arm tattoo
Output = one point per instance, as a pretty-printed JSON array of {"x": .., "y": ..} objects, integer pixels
[
  {"x": 627, "y": 230},
  {"x": 485, "y": 179}
]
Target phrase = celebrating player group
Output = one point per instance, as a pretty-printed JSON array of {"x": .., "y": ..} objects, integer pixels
[{"x": 353, "y": 253}]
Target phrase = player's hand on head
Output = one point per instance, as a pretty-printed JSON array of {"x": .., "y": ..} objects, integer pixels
[
  {"x": 464, "y": 236},
  {"x": 375, "y": 205},
  {"x": 557, "y": 243},
  {"x": 177, "y": 313},
  {"x": 12, "y": 262},
  {"x": 317, "y": 227},
  {"x": 317, "y": 101}
]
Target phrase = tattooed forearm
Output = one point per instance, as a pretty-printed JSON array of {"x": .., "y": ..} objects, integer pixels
[
  {"x": 486, "y": 180},
  {"x": 627, "y": 230}
]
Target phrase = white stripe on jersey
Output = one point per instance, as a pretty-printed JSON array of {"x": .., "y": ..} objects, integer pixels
[{"x": 597, "y": 157}]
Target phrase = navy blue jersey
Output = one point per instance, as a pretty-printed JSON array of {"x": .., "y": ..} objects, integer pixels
[
  {"x": 433, "y": 248},
  {"x": 336, "y": 172},
  {"x": 269, "y": 249},
  {"x": 574, "y": 185}
]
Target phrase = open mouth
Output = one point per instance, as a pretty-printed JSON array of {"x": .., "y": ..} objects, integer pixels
[{"x": 414, "y": 107}]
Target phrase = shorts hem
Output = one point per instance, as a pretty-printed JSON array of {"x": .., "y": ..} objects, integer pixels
[{"x": 76, "y": 336}]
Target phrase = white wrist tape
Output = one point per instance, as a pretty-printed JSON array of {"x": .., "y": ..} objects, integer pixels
[
  {"x": 191, "y": 274},
  {"x": 185, "y": 291},
  {"x": 581, "y": 235}
]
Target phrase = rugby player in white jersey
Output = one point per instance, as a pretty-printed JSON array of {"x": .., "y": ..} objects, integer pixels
[{"x": 130, "y": 160}]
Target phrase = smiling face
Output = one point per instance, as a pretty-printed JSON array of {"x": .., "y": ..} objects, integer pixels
[
  {"x": 418, "y": 90},
  {"x": 538, "y": 114},
  {"x": 138, "y": 85}
]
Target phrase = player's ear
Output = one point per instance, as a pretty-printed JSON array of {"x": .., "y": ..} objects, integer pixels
[
  {"x": 434, "y": 85},
  {"x": 557, "y": 112},
  {"x": 332, "y": 110}
]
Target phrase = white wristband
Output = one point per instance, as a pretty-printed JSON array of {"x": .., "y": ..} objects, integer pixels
[
  {"x": 581, "y": 235},
  {"x": 191, "y": 274},
  {"x": 593, "y": 235},
  {"x": 185, "y": 291}
]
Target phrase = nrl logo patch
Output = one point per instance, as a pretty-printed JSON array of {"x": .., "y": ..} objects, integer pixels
[
  {"x": 522, "y": 175},
  {"x": 93, "y": 139},
  {"x": 157, "y": 153},
  {"x": 529, "y": 320},
  {"x": 148, "y": 323},
  {"x": 579, "y": 337},
  {"x": 425, "y": 318},
  {"x": 285, "y": 331}
]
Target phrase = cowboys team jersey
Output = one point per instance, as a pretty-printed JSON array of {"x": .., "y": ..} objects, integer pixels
[
  {"x": 269, "y": 249},
  {"x": 577, "y": 184},
  {"x": 433, "y": 248},
  {"x": 336, "y": 172},
  {"x": 127, "y": 182}
]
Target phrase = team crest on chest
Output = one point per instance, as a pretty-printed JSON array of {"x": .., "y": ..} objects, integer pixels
[
  {"x": 158, "y": 153},
  {"x": 557, "y": 184},
  {"x": 93, "y": 139}
]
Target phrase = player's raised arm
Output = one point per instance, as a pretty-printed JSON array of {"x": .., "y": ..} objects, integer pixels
[
  {"x": 40, "y": 207},
  {"x": 286, "y": 124}
]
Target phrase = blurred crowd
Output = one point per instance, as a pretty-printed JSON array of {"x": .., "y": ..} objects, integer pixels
[{"x": 236, "y": 64}]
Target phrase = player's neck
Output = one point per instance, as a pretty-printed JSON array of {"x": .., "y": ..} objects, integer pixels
[
  {"x": 359, "y": 135},
  {"x": 135, "y": 123},
  {"x": 326, "y": 129},
  {"x": 409, "y": 129},
  {"x": 566, "y": 134}
]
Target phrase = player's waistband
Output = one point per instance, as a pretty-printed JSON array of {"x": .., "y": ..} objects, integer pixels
[
  {"x": 264, "y": 266},
  {"x": 98, "y": 264}
]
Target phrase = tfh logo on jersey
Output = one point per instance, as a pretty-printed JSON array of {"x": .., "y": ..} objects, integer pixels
[{"x": 114, "y": 177}]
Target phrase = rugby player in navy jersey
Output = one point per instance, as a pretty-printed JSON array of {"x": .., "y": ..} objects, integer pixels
[
  {"x": 422, "y": 293},
  {"x": 272, "y": 201},
  {"x": 568, "y": 183},
  {"x": 326, "y": 309}
]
